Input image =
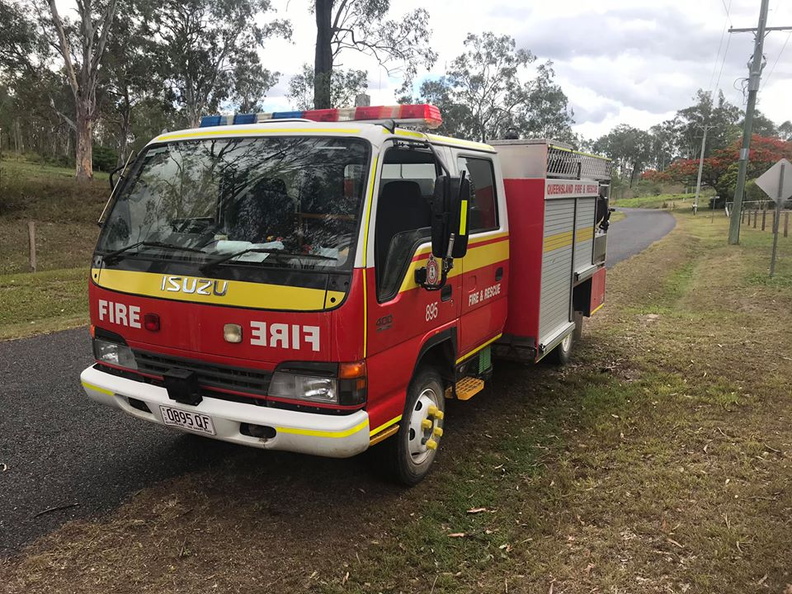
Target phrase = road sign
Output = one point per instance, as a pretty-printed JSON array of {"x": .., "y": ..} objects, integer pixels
[{"x": 777, "y": 181}]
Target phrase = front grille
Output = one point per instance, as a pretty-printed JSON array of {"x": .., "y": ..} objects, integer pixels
[{"x": 211, "y": 376}]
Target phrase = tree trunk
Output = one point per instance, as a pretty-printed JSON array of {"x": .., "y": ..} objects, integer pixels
[
  {"x": 84, "y": 143},
  {"x": 323, "y": 64},
  {"x": 20, "y": 147},
  {"x": 126, "y": 126}
]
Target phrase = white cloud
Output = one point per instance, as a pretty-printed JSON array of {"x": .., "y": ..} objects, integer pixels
[{"x": 635, "y": 65}]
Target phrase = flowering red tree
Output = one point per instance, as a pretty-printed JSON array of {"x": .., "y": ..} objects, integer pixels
[{"x": 720, "y": 170}]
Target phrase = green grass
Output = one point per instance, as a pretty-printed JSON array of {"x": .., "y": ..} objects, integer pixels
[
  {"x": 65, "y": 214},
  {"x": 42, "y": 192},
  {"x": 32, "y": 167},
  {"x": 43, "y": 302}
]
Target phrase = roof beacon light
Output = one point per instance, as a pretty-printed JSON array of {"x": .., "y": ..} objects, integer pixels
[{"x": 420, "y": 114}]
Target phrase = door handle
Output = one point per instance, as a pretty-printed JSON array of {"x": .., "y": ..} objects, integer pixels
[
  {"x": 499, "y": 273},
  {"x": 445, "y": 293}
]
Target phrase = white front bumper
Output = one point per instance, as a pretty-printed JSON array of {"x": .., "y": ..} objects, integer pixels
[{"x": 333, "y": 436}]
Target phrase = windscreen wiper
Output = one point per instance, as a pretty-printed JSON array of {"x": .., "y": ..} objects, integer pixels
[
  {"x": 206, "y": 266},
  {"x": 119, "y": 254}
]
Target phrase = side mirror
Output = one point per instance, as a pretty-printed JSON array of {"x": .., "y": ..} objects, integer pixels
[{"x": 450, "y": 208}]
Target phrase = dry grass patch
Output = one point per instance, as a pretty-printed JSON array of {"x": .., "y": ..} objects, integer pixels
[{"x": 659, "y": 462}]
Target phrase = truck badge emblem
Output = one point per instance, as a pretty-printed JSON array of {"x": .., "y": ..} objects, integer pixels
[{"x": 432, "y": 271}]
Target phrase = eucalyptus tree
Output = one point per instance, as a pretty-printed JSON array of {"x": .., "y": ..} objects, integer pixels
[
  {"x": 401, "y": 45},
  {"x": 206, "y": 50},
  {"x": 491, "y": 89},
  {"x": 345, "y": 86},
  {"x": 81, "y": 44},
  {"x": 630, "y": 149}
]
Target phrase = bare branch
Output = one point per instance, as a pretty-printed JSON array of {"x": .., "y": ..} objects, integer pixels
[
  {"x": 63, "y": 116},
  {"x": 107, "y": 21},
  {"x": 64, "y": 48}
]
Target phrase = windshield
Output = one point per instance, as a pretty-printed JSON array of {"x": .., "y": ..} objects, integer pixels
[{"x": 282, "y": 202}]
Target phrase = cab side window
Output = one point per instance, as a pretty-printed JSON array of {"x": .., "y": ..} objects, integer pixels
[
  {"x": 403, "y": 215},
  {"x": 484, "y": 206}
]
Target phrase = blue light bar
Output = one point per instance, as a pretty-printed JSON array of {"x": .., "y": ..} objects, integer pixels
[
  {"x": 245, "y": 118},
  {"x": 208, "y": 121},
  {"x": 286, "y": 115}
]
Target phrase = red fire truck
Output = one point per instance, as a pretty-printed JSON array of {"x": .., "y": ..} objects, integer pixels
[{"x": 323, "y": 281}]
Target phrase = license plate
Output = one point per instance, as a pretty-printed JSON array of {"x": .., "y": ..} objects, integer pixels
[{"x": 187, "y": 420}]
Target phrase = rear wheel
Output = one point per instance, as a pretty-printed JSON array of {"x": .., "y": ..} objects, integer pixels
[
  {"x": 411, "y": 452},
  {"x": 561, "y": 354}
]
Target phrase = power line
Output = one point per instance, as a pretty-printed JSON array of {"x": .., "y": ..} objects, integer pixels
[
  {"x": 781, "y": 53},
  {"x": 720, "y": 45},
  {"x": 727, "y": 8},
  {"x": 723, "y": 63}
]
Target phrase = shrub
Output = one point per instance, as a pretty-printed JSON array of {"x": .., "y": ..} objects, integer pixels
[
  {"x": 104, "y": 158},
  {"x": 59, "y": 160}
]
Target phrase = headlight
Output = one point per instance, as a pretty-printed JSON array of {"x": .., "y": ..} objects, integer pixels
[
  {"x": 304, "y": 387},
  {"x": 342, "y": 384},
  {"x": 113, "y": 353}
]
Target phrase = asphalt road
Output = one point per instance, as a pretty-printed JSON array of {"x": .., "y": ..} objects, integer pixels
[
  {"x": 641, "y": 228},
  {"x": 64, "y": 457}
]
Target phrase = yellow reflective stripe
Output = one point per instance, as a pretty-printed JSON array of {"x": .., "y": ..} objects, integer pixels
[
  {"x": 369, "y": 202},
  {"x": 250, "y": 132},
  {"x": 561, "y": 240},
  {"x": 557, "y": 241},
  {"x": 476, "y": 257},
  {"x": 364, "y": 247},
  {"x": 478, "y": 348},
  {"x": 584, "y": 234},
  {"x": 596, "y": 309},
  {"x": 237, "y": 293},
  {"x": 329, "y": 434},
  {"x": 98, "y": 389},
  {"x": 384, "y": 426},
  {"x": 463, "y": 217},
  {"x": 408, "y": 133},
  {"x": 462, "y": 143}
]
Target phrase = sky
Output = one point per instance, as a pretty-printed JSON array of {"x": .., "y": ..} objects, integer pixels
[{"x": 632, "y": 62}]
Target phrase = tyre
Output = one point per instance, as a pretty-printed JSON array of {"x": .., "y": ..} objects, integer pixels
[
  {"x": 412, "y": 450},
  {"x": 563, "y": 352}
]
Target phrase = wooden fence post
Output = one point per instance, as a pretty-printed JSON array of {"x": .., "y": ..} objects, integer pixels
[
  {"x": 32, "y": 244},
  {"x": 764, "y": 219},
  {"x": 786, "y": 224}
]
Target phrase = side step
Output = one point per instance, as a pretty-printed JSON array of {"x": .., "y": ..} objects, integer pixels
[{"x": 468, "y": 387}]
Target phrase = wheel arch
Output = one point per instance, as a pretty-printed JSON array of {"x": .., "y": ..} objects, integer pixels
[{"x": 439, "y": 351}]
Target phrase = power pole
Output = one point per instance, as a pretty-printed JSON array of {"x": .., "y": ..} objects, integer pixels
[
  {"x": 754, "y": 76},
  {"x": 701, "y": 169}
]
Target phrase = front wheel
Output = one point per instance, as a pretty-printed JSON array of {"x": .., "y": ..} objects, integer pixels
[{"x": 413, "y": 449}]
